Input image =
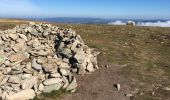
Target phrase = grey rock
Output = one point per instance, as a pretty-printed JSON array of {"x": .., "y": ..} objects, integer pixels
[
  {"x": 13, "y": 36},
  {"x": 36, "y": 66},
  {"x": 14, "y": 79},
  {"x": 25, "y": 76},
  {"x": 167, "y": 88},
  {"x": 117, "y": 86},
  {"x": 4, "y": 79},
  {"x": 54, "y": 87},
  {"x": 52, "y": 81},
  {"x": 64, "y": 72},
  {"x": 72, "y": 85},
  {"x": 80, "y": 39},
  {"x": 66, "y": 53},
  {"x": 16, "y": 87},
  {"x": 7, "y": 63},
  {"x": 1, "y": 91},
  {"x": 2, "y": 59},
  {"x": 45, "y": 34},
  {"x": 81, "y": 70},
  {"x": 90, "y": 67},
  {"x": 22, "y": 95},
  {"x": 14, "y": 72},
  {"x": 40, "y": 87},
  {"x": 32, "y": 23},
  {"x": 64, "y": 65},
  {"x": 29, "y": 82},
  {"x": 129, "y": 95},
  {"x": 66, "y": 82},
  {"x": 7, "y": 70},
  {"x": 18, "y": 57},
  {"x": 79, "y": 57},
  {"x": 52, "y": 68},
  {"x": 41, "y": 53},
  {"x": 23, "y": 37},
  {"x": 55, "y": 75},
  {"x": 32, "y": 31}
]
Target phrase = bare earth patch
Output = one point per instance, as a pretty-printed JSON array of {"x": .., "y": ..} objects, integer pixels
[{"x": 100, "y": 85}]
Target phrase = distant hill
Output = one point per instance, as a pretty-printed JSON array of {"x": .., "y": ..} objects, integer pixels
[{"x": 75, "y": 20}]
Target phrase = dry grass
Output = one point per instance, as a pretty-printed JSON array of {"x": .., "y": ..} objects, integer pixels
[{"x": 145, "y": 51}]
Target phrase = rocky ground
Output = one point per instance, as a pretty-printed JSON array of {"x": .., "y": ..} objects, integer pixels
[
  {"x": 137, "y": 59},
  {"x": 38, "y": 58}
]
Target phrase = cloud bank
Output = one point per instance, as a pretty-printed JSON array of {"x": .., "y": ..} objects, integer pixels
[
  {"x": 158, "y": 23},
  {"x": 18, "y": 8},
  {"x": 154, "y": 24},
  {"x": 118, "y": 22}
]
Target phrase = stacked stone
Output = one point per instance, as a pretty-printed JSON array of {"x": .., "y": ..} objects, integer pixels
[{"x": 38, "y": 58}]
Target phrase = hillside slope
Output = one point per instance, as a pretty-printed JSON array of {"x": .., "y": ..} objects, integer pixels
[{"x": 138, "y": 59}]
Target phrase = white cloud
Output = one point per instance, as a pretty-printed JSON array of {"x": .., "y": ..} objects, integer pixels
[
  {"x": 154, "y": 24},
  {"x": 18, "y": 8},
  {"x": 158, "y": 23},
  {"x": 118, "y": 22}
]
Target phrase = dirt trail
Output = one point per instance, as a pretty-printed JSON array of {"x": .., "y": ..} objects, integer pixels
[{"x": 100, "y": 85}]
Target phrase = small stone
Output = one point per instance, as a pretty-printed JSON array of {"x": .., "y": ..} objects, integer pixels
[
  {"x": 55, "y": 75},
  {"x": 7, "y": 63},
  {"x": 7, "y": 70},
  {"x": 90, "y": 67},
  {"x": 18, "y": 57},
  {"x": 117, "y": 86},
  {"x": 66, "y": 82},
  {"x": 45, "y": 34},
  {"x": 36, "y": 66},
  {"x": 41, "y": 53},
  {"x": 72, "y": 85},
  {"x": 81, "y": 71},
  {"x": 52, "y": 81},
  {"x": 64, "y": 65},
  {"x": 29, "y": 83},
  {"x": 107, "y": 66},
  {"x": 13, "y": 36},
  {"x": 40, "y": 87},
  {"x": 14, "y": 79},
  {"x": 41, "y": 60},
  {"x": 167, "y": 88},
  {"x": 16, "y": 87},
  {"x": 63, "y": 72},
  {"x": 22, "y": 95},
  {"x": 19, "y": 47},
  {"x": 1, "y": 91},
  {"x": 23, "y": 37},
  {"x": 32, "y": 23},
  {"x": 129, "y": 95},
  {"x": 73, "y": 91},
  {"x": 4, "y": 79},
  {"x": 25, "y": 76},
  {"x": 79, "y": 57},
  {"x": 54, "y": 87},
  {"x": 52, "y": 67},
  {"x": 2, "y": 59},
  {"x": 66, "y": 53}
]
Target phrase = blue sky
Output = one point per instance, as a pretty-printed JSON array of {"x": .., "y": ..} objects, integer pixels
[{"x": 86, "y": 8}]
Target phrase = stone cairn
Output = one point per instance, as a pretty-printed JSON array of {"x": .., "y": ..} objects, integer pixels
[{"x": 36, "y": 58}]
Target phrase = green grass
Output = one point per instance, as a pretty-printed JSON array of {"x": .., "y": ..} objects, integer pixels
[{"x": 54, "y": 95}]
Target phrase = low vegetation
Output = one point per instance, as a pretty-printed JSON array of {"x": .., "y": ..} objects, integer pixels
[{"x": 144, "y": 52}]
